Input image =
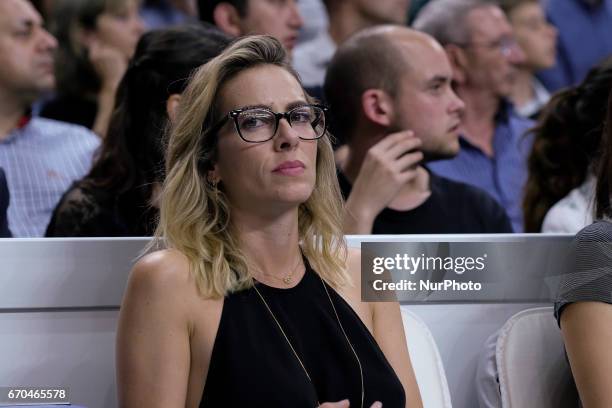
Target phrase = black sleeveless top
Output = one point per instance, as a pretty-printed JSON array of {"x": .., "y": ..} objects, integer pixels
[{"x": 253, "y": 366}]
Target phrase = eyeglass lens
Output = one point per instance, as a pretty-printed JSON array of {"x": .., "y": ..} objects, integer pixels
[{"x": 260, "y": 124}]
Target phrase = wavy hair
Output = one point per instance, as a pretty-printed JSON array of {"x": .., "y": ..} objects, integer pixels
[
  {"x": 566, "y": 143},
  {"x": 194, "y": 216}
]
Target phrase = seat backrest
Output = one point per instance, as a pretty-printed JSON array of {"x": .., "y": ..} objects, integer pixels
[
  {"x": 426, "y": 362},
  {"x": 532, "y": 365}
]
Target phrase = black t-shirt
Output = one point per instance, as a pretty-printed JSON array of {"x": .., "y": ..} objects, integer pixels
[{"x": 452, "y": 208}]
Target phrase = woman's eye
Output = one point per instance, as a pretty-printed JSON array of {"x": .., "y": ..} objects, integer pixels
[
  {"x": 301, "y": 117},
  {"x": 254, "y": 122},
  {"x": 251, "y": 123}
]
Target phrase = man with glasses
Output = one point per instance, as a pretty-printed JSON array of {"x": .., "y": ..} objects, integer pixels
[
  {"x": 537, "y": 38},
  {"x": 485, "y": 58},
  {"x": 389, "y": 89},
  {"x": 279, "y": 18}
]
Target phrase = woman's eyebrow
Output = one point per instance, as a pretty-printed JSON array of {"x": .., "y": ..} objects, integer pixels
[
  {"x": 296, "y": 104},
  {"x": 290, "y": 106},
  {"x": 260, "y": 106}
]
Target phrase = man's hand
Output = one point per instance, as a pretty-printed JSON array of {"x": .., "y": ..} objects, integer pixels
[{"x": 387, "y": 167}]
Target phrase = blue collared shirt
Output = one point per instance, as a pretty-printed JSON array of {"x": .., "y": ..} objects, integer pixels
[
  {"x": 41, "y": 160},
  {"x": 584, "y": 40},
  {"x": 502, "y": 176},
  {"x": 163, "y": 15}
]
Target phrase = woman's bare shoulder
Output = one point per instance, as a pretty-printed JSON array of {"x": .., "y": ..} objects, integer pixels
[
  {"x": 165, "y": 273},
  {"x": 166, "y": 268}
]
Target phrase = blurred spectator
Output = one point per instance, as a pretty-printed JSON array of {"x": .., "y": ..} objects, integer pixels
[
  {"x": 584, "y": 39},
  {"x": 4, "y": 203},
  {"x": 163, "y": 13},
  {"x": 117, "y": 197},
  {"x": 390, "y": 91},
  {"x": 41, "y": 157},
  {"x": 280, "y": 19},
  {"x": 485, "y": 57},
  {"x": 583, "y": 307},
  {"x": 97, "y": 38},
  {"x": 315, "y": 19},
  {"x": 561, "y": 184},
  {"x": 345, "y": 18},
  {"x": 538, "y": 40}
]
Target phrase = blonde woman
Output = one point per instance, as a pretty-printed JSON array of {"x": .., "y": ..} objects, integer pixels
[{"x": 255, "y": 303}]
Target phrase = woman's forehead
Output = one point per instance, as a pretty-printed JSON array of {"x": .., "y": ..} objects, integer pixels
[{"x": 266, "y": 85}]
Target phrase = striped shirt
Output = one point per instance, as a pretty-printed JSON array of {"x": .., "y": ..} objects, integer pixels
[
  {"x": 590, "y": 278},
  {"x": 41, "y": 160},
  {"x": 503, "y": 176}
]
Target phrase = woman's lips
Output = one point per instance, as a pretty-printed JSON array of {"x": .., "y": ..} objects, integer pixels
[{"x": 290, "y": 168}]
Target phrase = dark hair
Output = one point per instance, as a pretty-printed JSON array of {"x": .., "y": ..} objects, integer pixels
[
  {"x": 367, "y": 60},
  {"x": 566, "y": 142},
  {"x": 206, "y": 8},
  {"x": 131, "y": 156},
  {"x": 604, "y": 170}
]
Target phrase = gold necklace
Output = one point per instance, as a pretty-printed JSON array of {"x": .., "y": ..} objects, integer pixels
[
  {"x": 295, "y": 352},
  {"x": 287, "y": 279}
]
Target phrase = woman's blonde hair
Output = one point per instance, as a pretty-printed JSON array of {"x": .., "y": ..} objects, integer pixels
[{"x": 195, "y": 217}]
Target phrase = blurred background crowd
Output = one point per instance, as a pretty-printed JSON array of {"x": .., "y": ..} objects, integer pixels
[{"x": 449, "y": 116}]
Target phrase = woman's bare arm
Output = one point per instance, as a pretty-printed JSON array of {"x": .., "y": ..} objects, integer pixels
[
  {"x": 587, "y": 332},
  {"x": 153, "y": 351},
  {"x": 388, "y": 330}
]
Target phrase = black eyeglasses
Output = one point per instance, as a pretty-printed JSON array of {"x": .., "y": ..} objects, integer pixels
[{"x": 258, "y": 125}]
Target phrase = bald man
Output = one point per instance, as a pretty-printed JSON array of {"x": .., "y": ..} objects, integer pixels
[{"x": 389, "y": 88}]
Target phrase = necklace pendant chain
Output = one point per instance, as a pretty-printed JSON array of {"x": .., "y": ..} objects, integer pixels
[{"x": 287, "y": 280}]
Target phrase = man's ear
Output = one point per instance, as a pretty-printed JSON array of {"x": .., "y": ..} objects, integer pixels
[
  {"x": 377, "y": 107},
  {"x": 226, "y": 17},
  {"x": 172, "y": 105},
  {"x": 459, "y": 62}
]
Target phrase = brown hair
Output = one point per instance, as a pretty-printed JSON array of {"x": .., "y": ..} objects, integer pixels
[{"x": 566, "y": 142}]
